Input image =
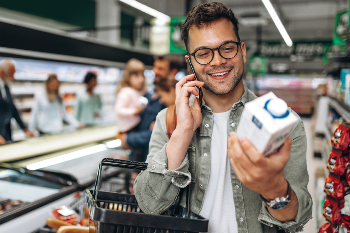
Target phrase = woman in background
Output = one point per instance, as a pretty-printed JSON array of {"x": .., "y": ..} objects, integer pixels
[
  {"x": 89, "y": 106},
  {"x": 49, "y": 112},
  {"x": 131, "y": 87}
]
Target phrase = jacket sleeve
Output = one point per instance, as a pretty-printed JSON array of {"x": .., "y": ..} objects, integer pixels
[
  {"x": 296, "y": 174},
  {"x": 139, "y": 139},
  {"x": 157, "y": 188},
  {"x": 16, "y": 115}
]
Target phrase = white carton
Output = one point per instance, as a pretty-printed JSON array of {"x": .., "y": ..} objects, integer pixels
[{"x": 266, "y": 122}]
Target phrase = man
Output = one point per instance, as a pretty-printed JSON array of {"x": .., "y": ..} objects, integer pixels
[
  {"x": 163, "y": 67},
  {"x": 231, "y": 183},
  {"x": 8, "y": 109}
]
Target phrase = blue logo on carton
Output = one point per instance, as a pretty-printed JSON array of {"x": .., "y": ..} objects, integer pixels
[{"x": 257, "y": 122}]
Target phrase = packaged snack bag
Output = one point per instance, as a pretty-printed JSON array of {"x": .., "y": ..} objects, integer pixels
[
  {"x": 326, "y": 228},
  {"x": 331, "y": 211},
  {"x": 334, "y": 187},
  {"x": 337, "y": 162},
  {"x": 344, "y": 228},
  {"x": 341, "y": 137}
]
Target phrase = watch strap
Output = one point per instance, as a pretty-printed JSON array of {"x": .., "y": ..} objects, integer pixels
[{"x": 278, "y": 198}]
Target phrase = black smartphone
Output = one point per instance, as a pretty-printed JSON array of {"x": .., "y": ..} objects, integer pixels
[{"x": 195, "y": 76}]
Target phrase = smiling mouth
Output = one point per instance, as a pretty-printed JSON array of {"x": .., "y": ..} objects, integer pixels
[{"x": 220, "y": 75}]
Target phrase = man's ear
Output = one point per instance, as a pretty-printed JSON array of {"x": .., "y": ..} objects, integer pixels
[{"x": 244, "y": 52}]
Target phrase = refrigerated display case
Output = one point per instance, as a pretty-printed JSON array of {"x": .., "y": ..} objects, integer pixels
[{"x": 59, "y": 180}]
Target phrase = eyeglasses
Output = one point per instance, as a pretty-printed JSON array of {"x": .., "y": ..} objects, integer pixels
[{"x": 227, "y": 50}]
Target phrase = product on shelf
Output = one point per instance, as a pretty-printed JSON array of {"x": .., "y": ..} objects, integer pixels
[
  {"x": 331, "y": 211},
  {"x": 66, "y": 214},
  {"x": 337, "y": 162},
  {"x": 341, "y": 137},
  {"x": 8, "y": 204},
  {"x": 344, "y": 228},
  {"x": 326, "y": 228},
  {"x": 334, "y": 187}
]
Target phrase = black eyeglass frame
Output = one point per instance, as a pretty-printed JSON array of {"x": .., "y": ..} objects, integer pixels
[{"x": 218, "y": 48}]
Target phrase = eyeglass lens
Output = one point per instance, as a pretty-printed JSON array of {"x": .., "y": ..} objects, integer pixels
[{"x": 228, "y": 50}]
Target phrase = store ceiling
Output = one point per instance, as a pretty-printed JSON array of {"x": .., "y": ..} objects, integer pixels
[{"x": 304, "y": 19}]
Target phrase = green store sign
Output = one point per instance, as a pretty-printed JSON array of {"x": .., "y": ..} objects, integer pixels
[
  {"x": 177, "y": 44},
  {"x": 341, "y": 28},
  {"x": 258, "y": 65}
]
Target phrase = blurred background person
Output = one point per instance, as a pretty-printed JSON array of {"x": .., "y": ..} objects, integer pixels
[
  {"x": 89, "y": 106},
  {"x": 165, "y": 89},
  {"x": 7, "y": 109},
  {"x": 163, "y": 67},
  {"x": 48, "y": 112},
  {"x": 130, "y": 88}
]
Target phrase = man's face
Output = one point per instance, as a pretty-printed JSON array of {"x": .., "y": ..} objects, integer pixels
[
  {"x": 8, "y": 75},
  {"x": 221, "y": 75},
  {"x": 161, "y": 69}
]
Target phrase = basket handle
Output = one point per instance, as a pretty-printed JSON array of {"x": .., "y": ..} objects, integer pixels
[{"x": 115, "y": 163}]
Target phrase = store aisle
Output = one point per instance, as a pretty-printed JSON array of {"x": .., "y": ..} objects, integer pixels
[{"x": 312, "y": 164}]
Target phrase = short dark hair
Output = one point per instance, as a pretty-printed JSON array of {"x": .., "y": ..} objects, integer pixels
[
  {"x": 166, "y": 84},
  {"x": 89, "y": 76},
  {"x": 175, "y": 62},
  {"x": 205, "y": 14}
]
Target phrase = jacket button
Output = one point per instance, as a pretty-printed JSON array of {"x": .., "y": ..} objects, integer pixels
[
  {"x": 236, "y": 187},
  {"x": 241, "y": 219},
  {"x": 206, "y": 125},
  {"x": 205, "y": 154},
  {"x": 233, "y": 124},
  {"x": 201, "y": 186},
  {"x": 153, "y": 167}
]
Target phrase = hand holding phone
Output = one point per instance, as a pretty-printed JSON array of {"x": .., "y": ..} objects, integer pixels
[{"x": 195, "y": 76}]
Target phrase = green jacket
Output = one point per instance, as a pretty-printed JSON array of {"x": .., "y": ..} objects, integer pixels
[{"x": 157, "y": 188}]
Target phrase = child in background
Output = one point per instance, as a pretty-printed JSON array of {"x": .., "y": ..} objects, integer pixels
[
  {"x": 131, "y": 87},
  {"x": 89, "y": 106},
  {"x": 165, "y": 89}
]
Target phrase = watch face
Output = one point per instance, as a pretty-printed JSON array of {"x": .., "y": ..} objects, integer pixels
[{"x": 280, "y": 205}]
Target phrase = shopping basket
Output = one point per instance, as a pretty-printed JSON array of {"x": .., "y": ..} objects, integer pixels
[{"x": 119, "y": 213}]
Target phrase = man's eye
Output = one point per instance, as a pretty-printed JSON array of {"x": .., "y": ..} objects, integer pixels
[{"x": 203, "y": 54}]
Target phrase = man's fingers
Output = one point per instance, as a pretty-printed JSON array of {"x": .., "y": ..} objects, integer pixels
[
  {"x": 253, "y": 154},
  {"x": 196, "y": 104},
  {"x": 283, "y": 154},
  {"x": 237, "y": 153},
  {"x": 182, "y": 82},
  {"x": 193, "y": 83}
]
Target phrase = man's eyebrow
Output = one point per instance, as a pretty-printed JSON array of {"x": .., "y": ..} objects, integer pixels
[{"x": 205, "y": 47}]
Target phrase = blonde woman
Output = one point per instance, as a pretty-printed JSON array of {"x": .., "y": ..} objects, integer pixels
[{"x": 131, "y": 87}]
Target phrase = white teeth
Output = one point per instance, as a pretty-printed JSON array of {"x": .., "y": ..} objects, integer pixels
[{"x": 219, "y": 74}]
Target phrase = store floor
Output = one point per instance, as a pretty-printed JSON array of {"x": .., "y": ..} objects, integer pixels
[{"x": 312, "y": 165}]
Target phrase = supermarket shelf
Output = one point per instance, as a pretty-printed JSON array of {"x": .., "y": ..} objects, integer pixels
[{"x": 342, "y": 109}]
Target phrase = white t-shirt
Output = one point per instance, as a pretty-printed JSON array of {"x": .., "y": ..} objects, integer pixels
[{"x": 218, "y": 205}]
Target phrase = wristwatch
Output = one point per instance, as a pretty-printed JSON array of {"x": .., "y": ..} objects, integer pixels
[{"x": 279, "y": 202}]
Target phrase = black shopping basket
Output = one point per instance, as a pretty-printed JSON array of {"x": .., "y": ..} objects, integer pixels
[{"x": 119, "y": 213}]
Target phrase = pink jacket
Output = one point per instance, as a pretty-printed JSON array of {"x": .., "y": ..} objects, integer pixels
[{"x": 125, "y": 106}]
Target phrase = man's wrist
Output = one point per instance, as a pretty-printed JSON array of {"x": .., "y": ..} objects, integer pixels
[{"x": 280, "y": 189}]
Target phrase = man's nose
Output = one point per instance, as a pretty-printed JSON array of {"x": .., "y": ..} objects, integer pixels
[{"x": 217, "y": 59}]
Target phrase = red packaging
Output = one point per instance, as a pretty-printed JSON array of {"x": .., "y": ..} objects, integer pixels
[
  {"x": 341, "y": 137},
  {"x": 337, "y": 162},
  {"x": 346, "y": 219},
  {"x": 334, "y": 187},
  {"x": 331, "y": 211},
  {"x": 326, "y": 228},
  {"x": 344, "y": 228}
]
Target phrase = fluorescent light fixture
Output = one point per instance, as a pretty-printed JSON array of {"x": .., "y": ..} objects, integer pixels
[
  {"x": 278, "y": 22},
  {"x": 146, "y": 9},
  {"x": 67, "y": 157},
  {"x": 114, "y": 143}
]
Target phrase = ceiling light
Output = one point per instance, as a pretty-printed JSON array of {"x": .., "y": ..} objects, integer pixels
[
  {"x": 278, "y": 22},
  {"x": 67, "y": 157},
  {"x": 147, "y": 9}
]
